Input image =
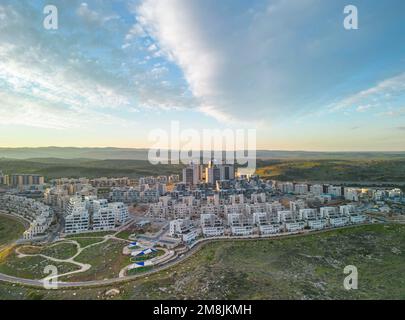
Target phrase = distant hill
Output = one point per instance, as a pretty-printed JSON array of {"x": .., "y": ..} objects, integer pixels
[
  {"x": 90, "y": 168},
  {"x": 74, "y": 153},
  {"x": 142, "y": 154}
]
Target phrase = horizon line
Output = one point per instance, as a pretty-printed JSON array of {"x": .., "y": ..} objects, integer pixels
[{"x": 202, "y": 150}]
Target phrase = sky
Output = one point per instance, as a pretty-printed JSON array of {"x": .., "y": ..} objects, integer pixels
[{"x": 114, "y": 71}]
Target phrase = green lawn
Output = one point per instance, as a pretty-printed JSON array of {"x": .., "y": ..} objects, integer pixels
[
  {"x": 125, "y": 234},
  {"x": 61, "y": 250},
  {"x": 31, "y": 267},
  {"x": 10, "y": 229},
  {"x": 106, "y": 259}
]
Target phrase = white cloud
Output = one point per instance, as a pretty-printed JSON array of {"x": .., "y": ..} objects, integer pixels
[
  {"x": 93, "y": 16},
  {"x": 380, "y": 95},
  {"x": 56, "y": 83},
  {"x": 135, "y": 32},
  {"x": 172, "y": 25},
  {"x": 233, "y": 61}
]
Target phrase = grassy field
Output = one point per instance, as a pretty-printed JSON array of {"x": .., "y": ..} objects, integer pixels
[
  {"x": 60, "y": 251},
  {"x": 333, "y": 170},
  {"x": 31, "y": 267},
  {"x": 10, "y": 230},
  {"x": 106, "y": 259},
  {"x": 309, "y": 267}
]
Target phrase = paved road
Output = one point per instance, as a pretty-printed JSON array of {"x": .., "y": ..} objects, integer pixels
[{"x": 171, "y": 263}]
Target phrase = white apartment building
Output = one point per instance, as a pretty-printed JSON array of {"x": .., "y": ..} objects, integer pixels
[
  {"x": 179, "y": 226},
  {"x": 190, "y": 236},
  {"x": 379, "y": 195},
  {"x": 338, "y": 221},
  {"x": 236, "y": 208},
  {"x": 183, "y": 228},
  {"x": 78, "y": 221},
  {"x": 317, "y": 224},
  {"x": 395, "y": 193},
  {"x": 259, "y": 207},
  {"x": 351, "y": 194},
  {"x": 181, "y": 211},
  {"x": 211, "y": 225},
  {"x": 335, "y": 191},
  {"x": 237, "y": 199},
  {"x": 120, "y": 210},
  {"x": 124, "y": 194},
  {"x": 316, "y": 189},
  {"x": 347, "y": 209},
  {"x": 285, "y": 215},
  {"x": 158, "y": 211},
  {"x": 258, "y": 198},
  {"x": 301, "y": 188},
  {"x": 357, "y": 218},
  {"x": 267, "y": 222},
  {"x": 294, "y": 226},
  {"x": 269, "y": 228},
  {"x": 275, "y": 207},
  {"x": 39, "y": 214},
  {"x": 104, "y": 219},
  {"x": 308, "y": 214},
  {"x": 295, "y": 206},
  {"x": 286, "y": 187},
  {"x": 95, "y": 205},
  {"x": 327, "y": 212},
  {"x": 240, "y": 224},
  {"x": 88, "y": 213},
  {"x": 210, "y": 208}
]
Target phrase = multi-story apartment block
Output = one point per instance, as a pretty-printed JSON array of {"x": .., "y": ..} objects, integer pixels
[
  {"x": 294, "y": 226},
  {"x": 120, "y": 210},
  {"x": 240, "y": 224},
  {"x": 267, "y": 222},
  {"x": 4, "y": 179},
  {"x": 124, "y": 194},
  {"x": 286, "y": 187},
  {"x": 104, "y": 219},
  {"x": 295, "y": 206},
  {"x": 335, "y": 191},
  {"x": 347, "y": 210},
  {"x": 78, "y": 221},
  {"x": 88, "y": 213},
  {"x": 316, "y": 189},
  {"x": 327, "y": 212},
  {"x": 184, "y": 229},
  {"x": 211, "y": 225},
  {"x": 38, "y": 214},
  {"x": 301, "y": 188},
  {"x": 351, "y": 194},
  {"x": 26, "y": 180}
]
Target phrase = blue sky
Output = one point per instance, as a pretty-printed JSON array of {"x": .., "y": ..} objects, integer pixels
[{"x": 114, "y": 70}]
